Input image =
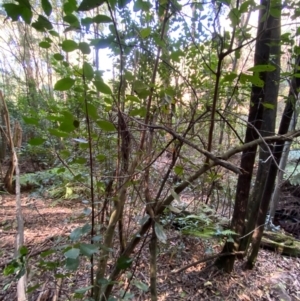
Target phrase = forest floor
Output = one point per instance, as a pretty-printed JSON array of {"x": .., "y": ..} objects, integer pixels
[{"x": 275, "y": 277}]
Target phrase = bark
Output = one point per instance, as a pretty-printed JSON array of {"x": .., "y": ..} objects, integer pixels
[
  {"x": 21, "y": 285},
  {"x": 261, "y": 57},
  {"x": 269, "y": 185},
  {"x": 280, "y": 173},
  {"x": 268, "y": 128},
  {"x": 153, "y": 264}
]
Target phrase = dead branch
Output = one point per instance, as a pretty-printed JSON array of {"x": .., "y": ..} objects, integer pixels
[{"x": 205, "y": 260}]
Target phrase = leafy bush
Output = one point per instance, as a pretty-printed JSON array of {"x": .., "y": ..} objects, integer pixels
[
  {"x": 39, "y": 156},
  {"x": 56, "y": 183},
  {"x": 204, "y": 224}
]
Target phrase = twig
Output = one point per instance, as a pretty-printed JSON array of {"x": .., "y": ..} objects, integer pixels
[
  {"x": 206, "y": 259},
  {"x": 57, "y": 289}
]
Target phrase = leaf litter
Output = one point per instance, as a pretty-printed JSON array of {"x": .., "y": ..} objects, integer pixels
[{"x": 274, "y": 277}]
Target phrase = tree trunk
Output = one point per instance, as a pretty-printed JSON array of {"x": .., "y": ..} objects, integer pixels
[
  {"x": 21, "y": 285},
  {"x": 280, "y": 173},
  {"x": 268, "y": 128},
  {"x": 269, "y": 185},
  {"x": 261, "y": 57}
]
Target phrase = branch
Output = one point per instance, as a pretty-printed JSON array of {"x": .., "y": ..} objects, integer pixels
[
  {"x": 221, "y": 160},
  {"x": 204, "y": 260}
]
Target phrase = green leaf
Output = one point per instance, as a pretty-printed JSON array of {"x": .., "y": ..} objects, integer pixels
[
  {"x": 229, "y": 77},
  {"x": 44, "y": 44},
  {"x": 72, "y": 263},
  {"x": 262, "y": 68},
  {"x": 100, "y": 157},
  {"x": 124, "y": 262},
  {"x": 26, "y": 14},
  {"x": 160, "y": 233},
  {"x": 102, "y": 87},
  {"x": 234, "y": 16},
  {"x": 79, "y": 160},
  {"x": 138, "y": 112},
  {"x": 71, "y": 19},
  {"x": 10, "y": 268},
  {"x": 83, "y": 290},
  {"x": 86, "y": 21},
  {"x": 12, "y": 10},
  {"x": 141, "y": 285},
  {"x": 24, "y": 2},
  {"x": 31, "y": 289},
  {"x": 176, "y": 55},
  {"x": 86, "y": 228},
  {"x": 141, "y": 5},
  {"x": 64, "y": 84},
  {"x": 47, "y": 253},
  {"x": 88, "y": 71},
  {"x": 141, "y": 89},
  {"x": 72, "y": 253},
  {"x": 84, "y": 48},
  {"x": 226, "y": 2},
  {"x": 58, "y": 133},
  {"x": 102, "y": 19},
  {"x": 76, "y": 123},
  {"x": 15, "y": 11},
  {"x": 54, "y": 33},
  {"x": 31, "y": 120},
  {"x": 86, "y": 5},
  {"x": 58, "y": 57},
  {"x": 256, "y": 81},
  {"x": 133, "y": 98},
  {"x": 178, "y": 170},
  {"x": 23, "y": 251},
  {"x": 175, "y": 195},
  {"x": 47, "y": 7},
  {"x": 244, "y": 8},
  {"x": 36, "y": 141},
  {"x": 268, "y": 105},
  {"x": 145, "y": 32},
  {"x": 129, "y": 76},
  {"x": 88, "y": 249},
  {"x": 67, "y": 126},
  {"x": 106, "y": 125},
  {"x": 22, "y": 10},
  {"x": 123, "y": 3},
  {"x": 92, "y": 111},
  {"x": 275, "y": 12},
  {"x": 42, "y": 24},
  {"x": 205, "y": 233},
  {"x": 70, "y": 6},
  {"x": 69, "y": 45}
]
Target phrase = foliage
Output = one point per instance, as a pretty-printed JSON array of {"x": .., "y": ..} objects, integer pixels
[
  {"x": 176, "y": 104},
  {"x": 204, "y": 224},
  {"x": 57, "y": 183}
]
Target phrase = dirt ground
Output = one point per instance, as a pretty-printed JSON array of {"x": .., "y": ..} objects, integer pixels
[{"x": 274, "y": 277}]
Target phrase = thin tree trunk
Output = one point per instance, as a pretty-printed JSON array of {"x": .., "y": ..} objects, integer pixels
[
  {"x": 153, "y": 264},
  {"x": 21, "y": 286},
  {"x": 280, "y": 173},
  {"x": 261, "y": 57}
]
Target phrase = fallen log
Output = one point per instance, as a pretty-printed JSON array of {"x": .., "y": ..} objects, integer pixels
[{"x": 282, "y": 243}]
